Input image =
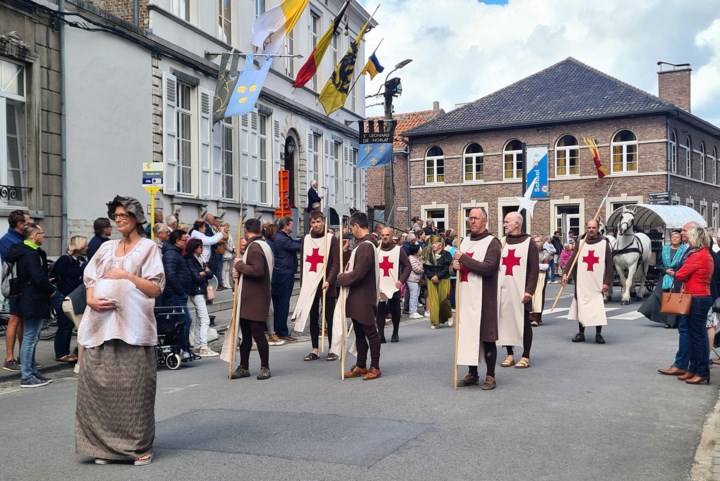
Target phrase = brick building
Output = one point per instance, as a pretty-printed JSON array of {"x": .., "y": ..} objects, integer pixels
[
  {"x": 376, "y": 175},
  {"x": 31, "y": 117},
  {"x": 474, "y": 155}
]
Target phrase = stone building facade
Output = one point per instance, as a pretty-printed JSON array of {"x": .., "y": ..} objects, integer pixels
[{"x": 654, "y": 150}]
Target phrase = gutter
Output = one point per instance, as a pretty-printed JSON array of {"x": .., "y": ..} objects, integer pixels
[{"x": 63, "y": 136}]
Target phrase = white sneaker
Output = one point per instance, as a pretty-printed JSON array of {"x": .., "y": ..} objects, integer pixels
[
  {"x": 434, "y": 327},
  {"x": 451, "y": 322},
  {"x": 415, "y": 315},
  {"x": 427, "y": 313},
  {"x": 208, "y": 353}
]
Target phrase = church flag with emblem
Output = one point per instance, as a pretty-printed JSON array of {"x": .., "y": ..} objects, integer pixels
[
  {"x": 601, "y": 170},
  {"x": 313, "y": 62},
  {"x": 374, "y": 155},
  {"x": 270, "y": 29},
  {"x": 336, "y": 89},
  {"x": 247, "y": 88}
]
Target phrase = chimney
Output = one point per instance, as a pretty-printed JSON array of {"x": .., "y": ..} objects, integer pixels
[
  {"x": 674, "y": 84},
  {"x": 436, "y": 105}
]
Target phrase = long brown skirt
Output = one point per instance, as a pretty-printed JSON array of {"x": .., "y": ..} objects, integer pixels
[{"x": 115, "y": 412}]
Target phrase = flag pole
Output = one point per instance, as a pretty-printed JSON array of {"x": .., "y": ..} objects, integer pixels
[
  {"x": 324, "y": 294},
  {"x": 368, "y": 22},
  {"x": 582, "y": 244},
  {"x": 342, "y": 308},
  {"x": 234, "y": 317},
  {"x": 457, "y": 296}
]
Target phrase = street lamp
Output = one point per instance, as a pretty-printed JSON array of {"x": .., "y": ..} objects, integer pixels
[{"x": 393, "y": 88}]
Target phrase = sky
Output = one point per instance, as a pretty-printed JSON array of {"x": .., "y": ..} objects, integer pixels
[{"x": 463, "y": 50}]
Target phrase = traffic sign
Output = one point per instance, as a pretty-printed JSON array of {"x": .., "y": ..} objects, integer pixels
[{"x": 152, "y": 174}]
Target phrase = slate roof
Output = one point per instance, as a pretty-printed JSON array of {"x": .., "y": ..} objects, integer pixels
[
  {"x": 407, "y": 122},
  {"x": 566, "y": 91}
]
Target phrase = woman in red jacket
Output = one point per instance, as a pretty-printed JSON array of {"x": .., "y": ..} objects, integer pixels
[{"x": 696, "y": 273}]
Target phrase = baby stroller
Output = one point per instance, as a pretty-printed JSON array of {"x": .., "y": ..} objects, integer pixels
[{"x": 169, "y": 349}]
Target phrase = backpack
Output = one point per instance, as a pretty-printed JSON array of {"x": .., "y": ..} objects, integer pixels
[{"x": 11, "y": 285}]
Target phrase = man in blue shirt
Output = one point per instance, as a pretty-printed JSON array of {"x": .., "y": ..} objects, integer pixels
[
  {"x": 17, "y": 220},
  {"x": 283, "y": 279}
]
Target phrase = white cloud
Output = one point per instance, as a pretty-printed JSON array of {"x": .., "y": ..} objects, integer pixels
[{"x": 463, "y": 50}]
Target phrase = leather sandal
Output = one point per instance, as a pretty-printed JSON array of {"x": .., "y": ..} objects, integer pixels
[
  {"x": 523, "y": 363},
  {"x": 143, "y": 460},
  {"x": 508, "y": 361},
  {"x": 311, "y": 357}
]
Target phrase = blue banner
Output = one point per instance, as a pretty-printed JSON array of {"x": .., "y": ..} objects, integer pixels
[
  {"x": 374, "y": 155},
  {"x": 537, "y": 172},
  {"x": 248, "y": 87}
]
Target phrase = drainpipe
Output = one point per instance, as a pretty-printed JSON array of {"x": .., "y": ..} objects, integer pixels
[
  {"x": 63, "y": 135},
  {"x": 409, "y": 201},
  {"x": 136, "y": 13}
]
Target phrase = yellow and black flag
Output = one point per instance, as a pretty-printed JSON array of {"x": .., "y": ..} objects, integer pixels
[{"x": 336, "y": 89}]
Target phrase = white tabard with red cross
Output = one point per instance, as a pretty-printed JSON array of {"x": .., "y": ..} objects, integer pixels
[
  {"x": 312, "y": 266},
  {"x": 511, "y": 288},
  {"x": 587, "y": 306},
  {"x": 470, "y": 285},
  {"x": 389, "y": 265}
]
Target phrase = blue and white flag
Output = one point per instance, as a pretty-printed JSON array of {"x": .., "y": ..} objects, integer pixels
[
  {"x": 537, "y": 172},
  {"x": 247, "y": 88},
  {"x": 374, "y": 155}
]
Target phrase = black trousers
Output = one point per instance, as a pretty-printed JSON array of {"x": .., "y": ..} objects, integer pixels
[
  {"x": 527, "y": 336},
  {"x": 367, "y": 335},
  {"x": 490, "y": 358},
  {"x": 253, "y": 330},
  {"x": 315, "y": 317},
  {"x": 393, "y": 304}
]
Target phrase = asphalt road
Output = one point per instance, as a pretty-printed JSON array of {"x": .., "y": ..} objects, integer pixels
[{"x": 581, "y": 412}]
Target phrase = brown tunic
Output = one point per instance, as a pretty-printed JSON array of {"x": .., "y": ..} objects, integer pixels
[
  {"x": 488, "y": 269},
  {"x": 255, "y": 295},
  {"x": 532, "y": 267},
  {"x": 361, "y": 303},
  {"x": 405, "y": 267},
  {"x": 608, "y": 273},
  {"x": 333, "y": 267}
]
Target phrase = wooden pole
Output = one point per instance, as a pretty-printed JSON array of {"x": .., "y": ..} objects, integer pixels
[
  {"x": 233, "y": 322},
  {"x": 324, "y": 294},
  {"x": 342, "y": 310},
  {"x": 579, "y": 248},
  {"x": 457, "y": 298}
]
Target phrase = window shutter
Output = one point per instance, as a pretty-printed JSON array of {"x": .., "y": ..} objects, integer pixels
[
  {"x": 348, "y": 176},
  {"x": 276, "y": 162},
  {"x": 206, "y": 150},
  {"x": 253, "y": 164},
  {"x": 309, "y": 158},
  {"x": 170, "y": 132}
]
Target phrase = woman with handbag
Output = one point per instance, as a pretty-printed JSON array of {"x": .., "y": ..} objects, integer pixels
[
  {"x": 200, "y": 274},
  {"x": 696, "y": 274}
]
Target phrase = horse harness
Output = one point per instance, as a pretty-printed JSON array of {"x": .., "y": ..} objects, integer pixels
[{"x": 631, "y": 248}]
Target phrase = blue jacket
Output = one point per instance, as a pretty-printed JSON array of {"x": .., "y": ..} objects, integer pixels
[
  {"x": 285, "y": 250},
  {"x": 178, "y": 279},
  {"x": 34, "y": 300},
  {"x": 9, "y": 240}
]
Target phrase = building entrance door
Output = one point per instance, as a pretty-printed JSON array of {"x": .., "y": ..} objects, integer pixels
[{"x": 567, "y": 217}]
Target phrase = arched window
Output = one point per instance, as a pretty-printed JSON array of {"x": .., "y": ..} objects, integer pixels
[
  {"x": 688, "y": 157},
  {"x": 473, "y": 160},
  {"x": 624, "y": 147},
  {"x": 512, "y": 160},
  {"x": 566, "y": 156},
  {"x": 434, "y": 166},
  {"x": 702, "y": 161},
  {"x": 673, "y": 152}
]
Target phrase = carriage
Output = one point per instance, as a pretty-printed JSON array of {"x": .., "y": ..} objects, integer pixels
[{"x": 641, "y": 230}]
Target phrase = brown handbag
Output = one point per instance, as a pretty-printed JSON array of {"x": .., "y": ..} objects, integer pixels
[{"x": 676, "y": 302}]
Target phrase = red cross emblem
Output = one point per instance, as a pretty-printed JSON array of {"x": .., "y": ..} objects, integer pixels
[
  {"x": 590, "y": 259},
  {"x": 386, "y": 265},
  {"x": 314, "y": 259},
  {"x": 510, "y": 261},
  {"x": 463, "y": 270}
]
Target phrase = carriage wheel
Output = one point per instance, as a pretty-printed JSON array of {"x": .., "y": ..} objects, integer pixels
[{"x": 172, "y": 361}]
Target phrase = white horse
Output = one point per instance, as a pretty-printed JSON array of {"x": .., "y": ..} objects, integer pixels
[{"x": 631, "y": 256}]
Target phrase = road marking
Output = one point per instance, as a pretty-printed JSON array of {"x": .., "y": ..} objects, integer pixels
[
  {"x": 630, "y": 316},
  {"x": 173, "y": 390}
]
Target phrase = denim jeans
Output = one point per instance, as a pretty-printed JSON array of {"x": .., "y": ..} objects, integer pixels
[
  {"x": 413, "y": 292},
  {"x": 65, "y": 327},
  {"x": 181, "y": 301},
  {"x": 682, "y": 358},
  {"x": 282, "y": 286},
  {"x": 218, "y": 267},
  {"x": 551, "y": 269},
  {"x": 699, "y": 345},
  {"x": 31, "y": 335}
]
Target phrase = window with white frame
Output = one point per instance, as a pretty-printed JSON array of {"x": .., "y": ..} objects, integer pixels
[
  {"x": 474, "y": 163},
  {"x": 225, "y": 21},
  {"x": 715, "y": 221},
  {"x": 434, "y": 166},
  {"x": 690, "y": 202},
  {"x": 702, "y": 161},
  {"x": 336, "y": 150},
  {"x": 512, "y": 160},
  {"x": 314, "y": 33},
  {"x": 264, "y": 158},
  {"x": 673, "y": 152},
  {"x": 688, "y": 157},
  {"x": 13, "y": 138},
  {"x": 184, "y": 138},
  {"x": 715, "y": 161},
  {"x": 624, "y": 148},
  {"x": 181, "y": 9},
  {"x": 703, "y": 210},
  {"x": 566, "y": 156},
  {"x": 357, "y": 199},
  {"x": 226, "y": 156},
  {"x": 438, "y": 216},
  {"x": 290, "y": 51},
  {"x": 259, "y": 7}
]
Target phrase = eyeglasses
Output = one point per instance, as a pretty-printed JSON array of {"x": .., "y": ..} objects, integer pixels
[
  {"x": 475, "y": 219},
  {"x": 115, "y": 217}
]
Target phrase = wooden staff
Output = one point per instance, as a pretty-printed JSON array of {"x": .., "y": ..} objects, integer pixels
[
  {"x": 233, "y": 334},
  {"x": 579, "y": 248},
  {"x": 457, "y": 297},
  {"x": 342, "y": 310},
  {"x": 324, "y": 294}
]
